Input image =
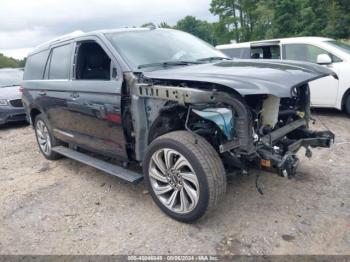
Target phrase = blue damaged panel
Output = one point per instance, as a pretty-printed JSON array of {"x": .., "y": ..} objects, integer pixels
[{"x": 222, "y": 117}]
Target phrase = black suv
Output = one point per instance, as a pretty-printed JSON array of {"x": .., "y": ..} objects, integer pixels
[{"x": 169, "y": 102}]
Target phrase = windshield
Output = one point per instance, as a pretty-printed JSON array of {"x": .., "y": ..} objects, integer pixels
[
  {"x": 10, "y": 77},
  {"x": 341, "y": 45},
  {"x": 146, "y": 47}
]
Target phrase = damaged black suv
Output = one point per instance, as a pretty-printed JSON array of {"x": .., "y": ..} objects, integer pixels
[{"x": 169, "y": 102}]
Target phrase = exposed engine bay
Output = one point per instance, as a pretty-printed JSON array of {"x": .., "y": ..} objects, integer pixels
[{"x": 263, "y": 130}]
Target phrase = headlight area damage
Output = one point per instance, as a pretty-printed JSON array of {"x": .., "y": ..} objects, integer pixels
[{"x": 260, "y": 129}]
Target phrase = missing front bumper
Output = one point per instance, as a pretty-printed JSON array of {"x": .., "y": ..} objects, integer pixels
[{"x": 280, "y": 147}]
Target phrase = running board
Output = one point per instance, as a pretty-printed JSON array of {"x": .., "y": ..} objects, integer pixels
[{"x": 109, "y": 168}]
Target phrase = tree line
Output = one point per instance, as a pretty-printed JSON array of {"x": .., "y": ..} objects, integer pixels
[
  {"x": 9, "y": 62},
  {"x": 248, "y": 20}
]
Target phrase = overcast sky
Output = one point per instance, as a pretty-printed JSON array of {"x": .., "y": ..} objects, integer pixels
[{"x": 27, "y": 23}]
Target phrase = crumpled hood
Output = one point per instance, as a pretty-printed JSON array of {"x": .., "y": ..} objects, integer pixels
[
  {"x": 10, "y": 93},
  {"x": 248, "y": 77}
]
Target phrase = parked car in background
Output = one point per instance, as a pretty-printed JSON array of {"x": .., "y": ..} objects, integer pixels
[
  {"x": 169, "y": 102},
  {"x": 11, "y": 107},
  {"x": 335, "y": 55}
]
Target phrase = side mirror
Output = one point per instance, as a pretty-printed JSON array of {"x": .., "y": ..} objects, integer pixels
[{"x": 324, "y": 59}]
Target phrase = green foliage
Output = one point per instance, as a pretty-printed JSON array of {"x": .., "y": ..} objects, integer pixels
[
  {"x": 164, "y": 25},
  {"x": 9, "y": 62},
  {"x": 248, "y": 20},
  {"x": 149, "y": 24},
  {"x": 199, "y": 28},
  {"x": 161, "y": 25}
]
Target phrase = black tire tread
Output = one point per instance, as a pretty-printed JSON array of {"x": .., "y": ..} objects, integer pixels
[{"x": 347, "y": 104}]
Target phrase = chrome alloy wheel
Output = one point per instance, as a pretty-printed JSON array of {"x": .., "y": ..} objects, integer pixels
[
  {"x": 173, "y": 180},
  {"x": 43, "y": 136}
]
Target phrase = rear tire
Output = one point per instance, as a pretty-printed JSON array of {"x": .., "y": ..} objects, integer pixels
[
  {"x": 347, "y": 104},
  {"x": 44, "y": 137},
  {"x": 185, "y": 176}
]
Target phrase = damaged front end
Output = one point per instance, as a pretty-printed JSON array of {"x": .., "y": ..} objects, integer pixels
[
  {"x": 282, "y": 129},
  {"x": 257, "y": 128}
]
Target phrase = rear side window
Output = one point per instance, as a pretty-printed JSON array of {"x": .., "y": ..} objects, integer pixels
[
  {"x": 266, "y": 52},
  {"x": 35, "y": 66},
  {"x": 242, "y": 53},
  {"x": 60, "y": 62}
]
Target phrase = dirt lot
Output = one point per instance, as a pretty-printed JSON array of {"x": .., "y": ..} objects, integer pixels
[{"x": 64, "y": 207}]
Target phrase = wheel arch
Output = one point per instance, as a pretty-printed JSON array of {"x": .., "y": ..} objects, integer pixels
[
  {"x": 168, "y": 120},
  {"x": 345, "y": 95},
  {"x": 34, "y": 112},
  {"x": 173, "y": 117}
]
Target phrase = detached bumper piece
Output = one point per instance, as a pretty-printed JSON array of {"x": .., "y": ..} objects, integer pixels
[
  {"x": 313, "y": 139},
  {"x": 279, "y": 148}
]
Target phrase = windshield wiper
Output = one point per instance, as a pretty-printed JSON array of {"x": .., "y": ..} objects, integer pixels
[
  {"x": 169, "y": 63},
  {"x": 214, "y": 58}
]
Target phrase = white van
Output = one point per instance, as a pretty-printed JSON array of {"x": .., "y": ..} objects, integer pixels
[{"x": 325, "y": 92}]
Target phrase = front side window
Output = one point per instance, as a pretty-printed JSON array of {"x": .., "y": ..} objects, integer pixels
[
  {"x": 158, "y": 46},
  {"x": 306, "y": 53},
  {"x": 92, "y": 62},
  {"x": 341, "y": 45},
  {"x": 60, "y": 62}
]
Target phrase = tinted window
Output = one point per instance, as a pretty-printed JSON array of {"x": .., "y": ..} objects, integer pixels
[
  {"x": 305, "y": 52},
  {"x": 266, "y": 52},
  {"x": 35, "y": 66},
  {"x": 92, "y": 62},
  {"x": 60, "y": 62},
  {"x": 242, "y": 53}
]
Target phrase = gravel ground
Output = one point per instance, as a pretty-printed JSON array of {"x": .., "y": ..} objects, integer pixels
[{"x": 64, "y": 207}]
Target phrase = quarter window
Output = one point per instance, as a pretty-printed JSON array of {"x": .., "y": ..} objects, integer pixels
[
  {"x": 60, "y": 62},
  {"x": 307, "y": 53},
  {"x": 35, "y": 66}
]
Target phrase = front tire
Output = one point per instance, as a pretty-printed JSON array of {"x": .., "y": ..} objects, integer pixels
[
  {"x": 185, "y": 175},
  {"x": 44, "y": 137},
  {"x": 347, "y": 104}
]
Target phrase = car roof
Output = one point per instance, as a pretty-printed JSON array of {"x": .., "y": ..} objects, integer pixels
[
  {"x": 76, "y": 34},
  {"x": 307, "y": 39}
]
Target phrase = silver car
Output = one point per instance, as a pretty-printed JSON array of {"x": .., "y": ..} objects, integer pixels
[{"x": 11, "y": 107}]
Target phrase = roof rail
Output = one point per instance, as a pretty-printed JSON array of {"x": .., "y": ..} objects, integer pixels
[{"x": 62, "y": 37}]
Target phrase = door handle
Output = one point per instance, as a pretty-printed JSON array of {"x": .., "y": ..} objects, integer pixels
[{"x": 74, "y": 95}]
